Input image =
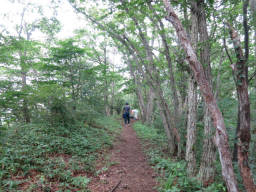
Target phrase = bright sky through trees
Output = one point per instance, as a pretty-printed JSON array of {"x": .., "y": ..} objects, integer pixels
[{"x": 10, "y": 14}]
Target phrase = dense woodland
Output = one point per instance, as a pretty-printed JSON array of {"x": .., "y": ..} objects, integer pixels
[{"x": 187, "y": 65}]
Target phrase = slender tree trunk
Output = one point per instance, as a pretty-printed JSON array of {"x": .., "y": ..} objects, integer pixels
[
  {"x": 150, "y": 106},
  {"x": 22, "y": 56},
  {"x": 170, "y": 138},
  {"x": 142, "y": 106},
  {"x": 106, "y": 94},
  {"x": 25, "y": 102},
  {"x": 197, "y": 68},
  {"x": 238, "y": 106},
  {"x": 167, "y": 120}
]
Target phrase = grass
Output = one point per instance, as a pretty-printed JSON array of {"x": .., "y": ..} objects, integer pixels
[{"x": 39, "y": 157}]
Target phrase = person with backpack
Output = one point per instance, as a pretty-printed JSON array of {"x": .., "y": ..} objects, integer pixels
[{"x": 126, "y": 113}]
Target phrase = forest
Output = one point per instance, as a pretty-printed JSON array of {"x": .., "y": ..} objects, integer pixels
[{"x": 187, "y": 66}]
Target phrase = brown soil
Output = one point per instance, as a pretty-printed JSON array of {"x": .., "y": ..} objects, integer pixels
[{"x": 130, "y": 170}]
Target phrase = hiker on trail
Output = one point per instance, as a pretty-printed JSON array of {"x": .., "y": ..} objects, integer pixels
[
  {"x": 126, "y": 113},
  {"x": 135, "y": 113}
]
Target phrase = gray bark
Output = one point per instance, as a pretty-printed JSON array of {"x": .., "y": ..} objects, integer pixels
[
  {"x": 192, "y": 104},
  {"x": 207, "y": 167},
  {"x": 191, "y": 128}
]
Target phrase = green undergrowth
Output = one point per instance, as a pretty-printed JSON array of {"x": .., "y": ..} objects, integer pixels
[
  {"x": 40, "y": 157},
  {"x": 172, "y": 173}
]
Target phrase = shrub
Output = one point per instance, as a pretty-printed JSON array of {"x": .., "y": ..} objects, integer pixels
[{"x": 55, "y": 154}]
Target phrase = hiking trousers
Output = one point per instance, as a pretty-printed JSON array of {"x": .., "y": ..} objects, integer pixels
[{"x": 126, "y": 118}]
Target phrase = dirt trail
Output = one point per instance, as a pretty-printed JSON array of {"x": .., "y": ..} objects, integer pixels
[{"x": 131, "y": 171}]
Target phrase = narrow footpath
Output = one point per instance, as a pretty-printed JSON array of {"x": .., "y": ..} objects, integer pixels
[{"x": 130, "y": 170}]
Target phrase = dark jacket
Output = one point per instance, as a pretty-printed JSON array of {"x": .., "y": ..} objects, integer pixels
[{"x": 126, "y": 109}]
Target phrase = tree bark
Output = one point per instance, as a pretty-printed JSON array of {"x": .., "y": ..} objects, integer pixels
[
  {"x": 170, "y": 138},
  {"x": 244, "y": 135},
  {"x": 253, "y": 10},
  {"x": 238, "y": 106},
  {"x": 207, "y": 166},
  {"x": 106, "y": 92},
  {"x": 25, "y": 101},
  {"x": 150, "y": 106},
  {"x": 192, "y": 103},
  {"x": 191, "y": 128},
  {"x": 197, "y": 68}
]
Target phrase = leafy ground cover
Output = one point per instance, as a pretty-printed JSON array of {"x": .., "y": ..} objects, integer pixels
[
  {"x": 40, "y": 157},
  {"x": 173, "y": 172}
]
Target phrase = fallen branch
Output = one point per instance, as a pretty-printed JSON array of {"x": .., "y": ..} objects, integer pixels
[{"x": 116, "y": 186}]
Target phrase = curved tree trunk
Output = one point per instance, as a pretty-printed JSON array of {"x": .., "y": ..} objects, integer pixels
[{"x": 197, "y": 68}]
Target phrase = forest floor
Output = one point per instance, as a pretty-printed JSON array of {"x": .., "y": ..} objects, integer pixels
[{"x": 128, "y": 167}]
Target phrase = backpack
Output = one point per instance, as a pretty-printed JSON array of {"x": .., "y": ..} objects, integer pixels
[{"x": 126, "y": 109}]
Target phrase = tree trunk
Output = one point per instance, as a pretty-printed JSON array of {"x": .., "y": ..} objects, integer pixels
[
  {"x": 244, "y": 135},
  {"x": 207, "y": 168},
  {"x": 25, "y": 102},
  {"x": 237, "y": 131},
  {"x": 150, "y": 106},
  {"x": 253, "y": 10},
  {"x": 170, "y": 138},
  {"x": 191, "y": 128},
  {"x": 192, "y": 104},
  {"x": 197, "y": 68},
  {"x": 107, "y": 108}
]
